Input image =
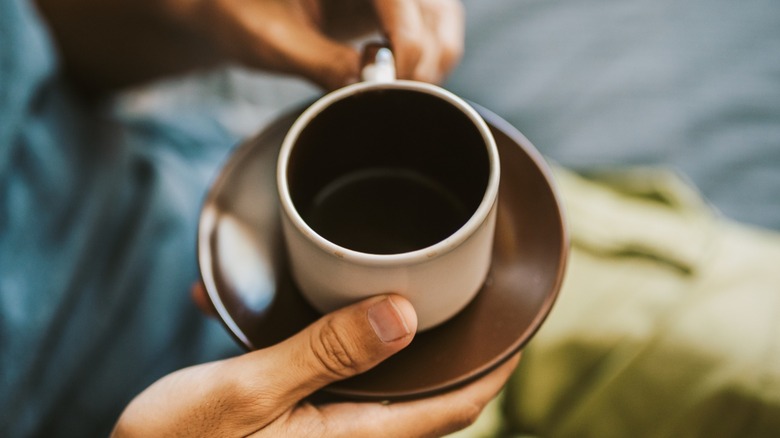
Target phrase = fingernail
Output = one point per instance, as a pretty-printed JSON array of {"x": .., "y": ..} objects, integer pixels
[{"x": 387, "y": 321}]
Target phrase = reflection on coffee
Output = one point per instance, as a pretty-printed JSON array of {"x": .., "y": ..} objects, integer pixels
[{"x": 385, "y": 211}]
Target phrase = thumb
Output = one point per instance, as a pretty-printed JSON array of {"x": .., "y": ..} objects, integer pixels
[
  {"x": 271, "y": 36},
  {"x": 342, "y": 344},
  {"x": 303, "y": 50},
  {"x": 307, "y": 52}
]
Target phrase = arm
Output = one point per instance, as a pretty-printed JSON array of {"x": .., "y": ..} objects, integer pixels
[{"x": 111, "y": 44}]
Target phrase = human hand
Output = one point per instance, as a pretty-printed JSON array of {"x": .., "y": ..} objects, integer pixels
[
  {"x": 263, "y": 393},
  {"x": 300, "y": 37},
  {"x": 306, "y": 37}
]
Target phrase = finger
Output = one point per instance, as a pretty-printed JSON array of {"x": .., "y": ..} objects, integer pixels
[
  {"x": 283, "y": 37},
  {"x": 440, "y": 415},
  {"x": 342, "y": 344},
  {"x": 201, "y": 299},
  {"x": 402, "y": 23},
  {"x": 347, "y": 342},
  {"x": 435, "y": 416},
  {"x": 323, "y": 61},
  {"x": 445, "y": 26}
]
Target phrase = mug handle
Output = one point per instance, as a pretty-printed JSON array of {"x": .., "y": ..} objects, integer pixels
[{"x": 378, "y": 63}]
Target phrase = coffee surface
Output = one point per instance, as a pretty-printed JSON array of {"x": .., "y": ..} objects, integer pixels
[{"x": 385, "y": 211}]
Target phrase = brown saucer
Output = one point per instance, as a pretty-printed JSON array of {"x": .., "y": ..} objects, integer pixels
[{"x": 243, "y": 266}]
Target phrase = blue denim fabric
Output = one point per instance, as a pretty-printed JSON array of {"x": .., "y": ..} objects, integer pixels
[{"x": 98, "y": 217}]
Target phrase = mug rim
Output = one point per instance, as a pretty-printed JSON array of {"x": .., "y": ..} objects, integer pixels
[{"x": 475, "y": 221}]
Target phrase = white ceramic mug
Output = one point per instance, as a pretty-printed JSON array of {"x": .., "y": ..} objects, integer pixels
[{"x": 389, "y": 186}]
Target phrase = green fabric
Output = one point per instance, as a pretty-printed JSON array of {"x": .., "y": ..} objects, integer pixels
[{"x": 668, "y": 323}]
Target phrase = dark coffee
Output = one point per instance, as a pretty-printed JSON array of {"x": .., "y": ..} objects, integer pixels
[
  {"x": 385, "y": 211},
  {"x": 388, "y": 171}
]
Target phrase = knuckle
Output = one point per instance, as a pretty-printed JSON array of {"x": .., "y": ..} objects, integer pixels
[
  {"x": 411, "y": 51},
  {"x": 244, "y": 397},
  {"x": 334, "y": 352},
  {"x": 451, "y": 53},
  {"x": 427, "y": 75},
  {"x": 412, "y": 47},
  {"x": 408, "y": 50}
]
